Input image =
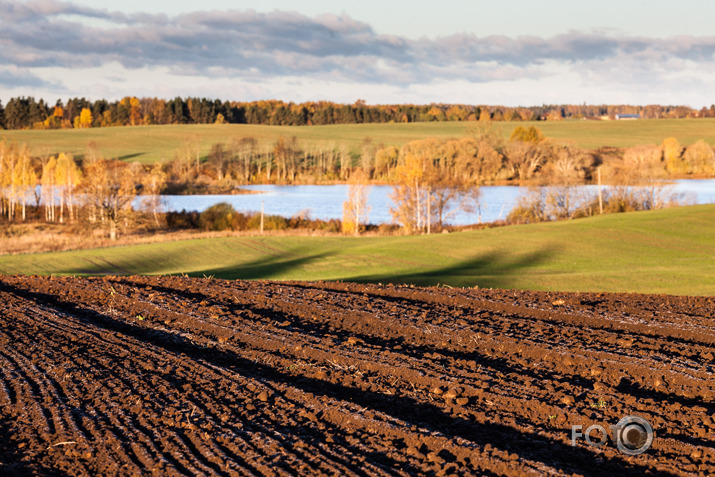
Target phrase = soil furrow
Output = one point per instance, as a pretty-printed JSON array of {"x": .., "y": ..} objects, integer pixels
[{"x": 180, "y": 376}]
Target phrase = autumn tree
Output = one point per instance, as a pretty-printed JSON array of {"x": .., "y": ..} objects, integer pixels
[
  {"x": 411, "y": 192},
  {"x": 8, "y": 179},
  {"x": 355, "y": 208},
  {"x": 456, "y": 113},
  {"x": 644, "y": 162},
  {"x": 525, "y": 152},
  {"x": 110, "y": 187},
  {"x": 131, "y": 108},
  {"x": 324, "y": 156},
  {"x": 218, "y": 161},
  {"x": 67, "y": 177},
  {"x": 367, "y": 157},
  {"x": 524, "y": 158},
  {"x": 636, "y": 184},
  {"x": 286, "y": 153},
  {"x": 186, "y": 162},
  {"x": 386, "y": 161},
  {"x": 48, "y": 182},
  {"x": 699, "y": 158},
  {"x": 345, "y": 161},
  {"x": 84, "y": 120},
  {"x": 243, "y": 151},
  {"x": 673, "y": 157},
  {"x": 25, "y": 178},
  {"x": 563, "y": 174},
  {"x": 530, "y": 134},
  {"x": 441, "y": 191},
  {"x": 152, "y": 184}
]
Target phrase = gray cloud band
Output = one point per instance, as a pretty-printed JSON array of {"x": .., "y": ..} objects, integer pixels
[{"x": 247, "y": 43}]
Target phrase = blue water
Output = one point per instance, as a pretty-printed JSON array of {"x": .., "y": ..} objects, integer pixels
[{"x": 326, "y": 201}]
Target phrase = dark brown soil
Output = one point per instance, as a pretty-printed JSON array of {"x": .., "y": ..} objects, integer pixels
[{"x": 174, "y": 375}]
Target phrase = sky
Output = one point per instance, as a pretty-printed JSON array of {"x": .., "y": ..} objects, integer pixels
[{"x": 512, "y": 52}]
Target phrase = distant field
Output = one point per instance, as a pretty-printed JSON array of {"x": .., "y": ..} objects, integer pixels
[
  {"x": 152, "y": 143},
  {"x": 668, "y": 251}
]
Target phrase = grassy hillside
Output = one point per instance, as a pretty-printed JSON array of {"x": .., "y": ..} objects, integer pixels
[
  {"x": 152, "y": 143},
  {"x": 668, "y": 251}
]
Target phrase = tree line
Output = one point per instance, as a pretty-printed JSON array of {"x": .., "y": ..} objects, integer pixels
[
  {"x": 483, "y": 156},
  {"x": 430, "y": 176},
  {"x": 29, "y": 113}
]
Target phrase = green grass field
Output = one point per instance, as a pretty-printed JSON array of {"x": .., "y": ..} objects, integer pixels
[
  {"x": 151, "y": 143},
  {"x": 669, "y": 251}
]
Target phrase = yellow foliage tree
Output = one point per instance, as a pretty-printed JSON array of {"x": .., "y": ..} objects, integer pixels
[
  {"x": 26, "y": 178},
  {"x": 110, "y": 188},
  {"x": 456, "y": 113},
  {"x": 48, "y": 188},
  {"x": 8, "y": 191},
  {"x": 67, "y": 178},
  {"x": 85, "y": 119},
  {"x": 135, "y": 113},
  {"x": 673, "y": 156},
  {"x": 700, "y": 159},
  {"x": 355, "y": 209},
  {"x": 531, "y": 134},
  {"x": 409, "y": 194}
]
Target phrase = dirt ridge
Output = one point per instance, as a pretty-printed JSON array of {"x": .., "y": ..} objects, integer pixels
[{"x": 188, "y": 376}]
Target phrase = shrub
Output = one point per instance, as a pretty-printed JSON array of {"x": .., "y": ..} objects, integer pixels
[
  {"x": 182, "y": 220},
  {"x": 270, "y": 222},
  {"x": 221, "y": 216}
]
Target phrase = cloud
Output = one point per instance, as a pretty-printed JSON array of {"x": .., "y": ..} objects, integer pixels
[
  {"x": 256, "y": 46},
  {"x": 12, "y": 77}
]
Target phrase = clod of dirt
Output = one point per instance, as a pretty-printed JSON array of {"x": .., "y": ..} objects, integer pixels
[
  {"x": 438, "y": 390},
  {"x": 453, "y": 393},
  {"x": 463, "y": 401},
  {"x": 558, "y": 302},
  {"x": 624, "y": 342},
  {"x": 412, "y": 450},
  {"x": 263, "y": 396},
  {"x": 568, "y": 400},
  {"x": 352, "y": 341}
]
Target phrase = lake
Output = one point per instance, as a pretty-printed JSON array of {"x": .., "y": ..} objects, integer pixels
[{"x": 326, "y": 201}]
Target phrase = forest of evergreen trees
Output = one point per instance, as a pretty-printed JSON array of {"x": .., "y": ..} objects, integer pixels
[{"x": 29, "y": 113}]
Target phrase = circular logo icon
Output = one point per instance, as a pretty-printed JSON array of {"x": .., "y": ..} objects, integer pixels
[{"x": 634, "y": 435}]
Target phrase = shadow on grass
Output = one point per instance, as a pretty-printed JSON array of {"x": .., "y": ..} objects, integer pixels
[
  {"x": 264, "y": 268},
  {"x": 130, "y": 156},
  {"x": 491, "y": 270},
  {"x": 494, "y": 269},
  {"x": 267, "y": 268}
]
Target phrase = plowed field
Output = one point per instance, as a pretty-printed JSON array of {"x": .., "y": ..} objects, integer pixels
[{"x": 184, "y": 376}]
